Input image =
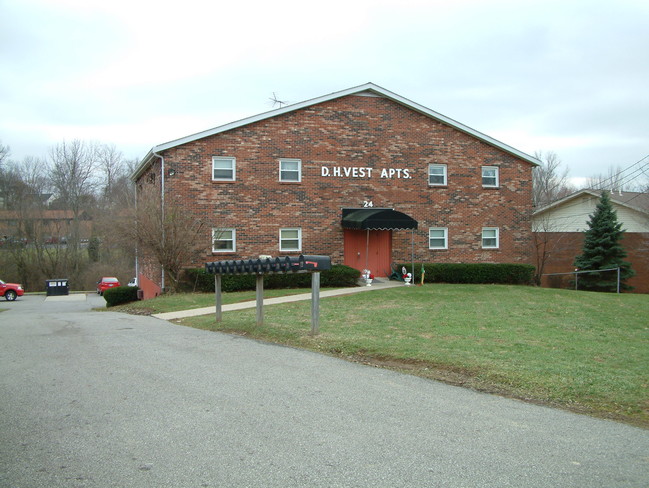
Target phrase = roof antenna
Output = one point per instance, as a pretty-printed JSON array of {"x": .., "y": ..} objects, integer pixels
[{"x": 277, "y": 101}]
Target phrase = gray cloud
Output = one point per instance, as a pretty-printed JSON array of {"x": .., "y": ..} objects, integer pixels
[{"x": 554, "y": 76}]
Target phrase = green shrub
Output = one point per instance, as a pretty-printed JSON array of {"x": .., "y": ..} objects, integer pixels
[
  {"x": 475, "y": 273},
  {"x": 287, "y": 280},
  {"x": 120, "y": 295},
  {"x": 340, "y": 276},
  {"x": 197, "y": 279}
]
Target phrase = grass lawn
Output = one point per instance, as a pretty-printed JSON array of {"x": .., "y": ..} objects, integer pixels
[{"x": 583, "y": 351}]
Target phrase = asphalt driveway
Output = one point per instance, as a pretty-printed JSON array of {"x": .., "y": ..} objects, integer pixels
[{"x": 92, "y": 399}]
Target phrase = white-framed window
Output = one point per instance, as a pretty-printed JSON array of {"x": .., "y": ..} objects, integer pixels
[
  {"x": 290, "y": 170},
  {"x": 223, "y": 169},
  {"x": 290, "y": 239},
  {"x": 490, "y": 176},
  {"x": 490, "y": 238},
  {"x": 224, "y": 240},
  {"x": 438, "y": 238},
  {"x": 437, "y": 175}
]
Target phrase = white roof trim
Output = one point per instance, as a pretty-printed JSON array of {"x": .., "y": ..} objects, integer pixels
[
  {"x": 594, "y": 193},
  {"x": 368, "y": 88},
  {"x": 572, "y": 196}
]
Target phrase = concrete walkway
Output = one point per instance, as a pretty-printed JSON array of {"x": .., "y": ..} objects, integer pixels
[{"x": 376, "y": 285}]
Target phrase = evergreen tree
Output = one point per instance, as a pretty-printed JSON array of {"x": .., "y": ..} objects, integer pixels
[{"x": 602, "y": 250}]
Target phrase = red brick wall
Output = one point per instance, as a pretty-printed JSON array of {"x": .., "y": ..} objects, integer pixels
[
  {"x": 567, "y": 245},
  {"x": 150, "y": 273},
  {"x": 150, "y": 289},
  {"x": 354, "y": 131}
]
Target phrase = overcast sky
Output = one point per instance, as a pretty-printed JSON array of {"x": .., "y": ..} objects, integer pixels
[{"x": 565, "y": 76}]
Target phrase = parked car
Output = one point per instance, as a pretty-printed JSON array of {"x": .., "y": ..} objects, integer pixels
[
  {"x": 133, "y": 282},
  {"x": 105, "y": 283},
  {"x": 11, "y": 290}
]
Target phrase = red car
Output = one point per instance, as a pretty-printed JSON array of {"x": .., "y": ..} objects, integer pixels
[
  {"x": 105, "y": 283},
  {"x": 10, "y": 290}
]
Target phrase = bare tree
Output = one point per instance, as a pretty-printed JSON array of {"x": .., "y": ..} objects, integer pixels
[
  {"x": 12, "y": 188},
  {"x": 617, "y": 180},
  {"x": 34, "y": 176},
  {"x": 550, "y": 182},
  {"x": 72, "y": 172},
  {"x": 610, "y": 181},
  {"x": 21, "y": 183},
  {"x": 122, "y": 193},
  {"x": 24, "y": 184},
  {"x": 4, "y": 175},
  {"x": 4, "y": 155},
  {"x": 111, "y": 163},
  {"x": 163, "y": 233},
  {"x": 547, "y": 241},
  {"x": 73, "y": 177}
]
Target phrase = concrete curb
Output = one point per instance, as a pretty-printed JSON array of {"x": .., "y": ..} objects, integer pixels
[{"x": 382, "y": 285}]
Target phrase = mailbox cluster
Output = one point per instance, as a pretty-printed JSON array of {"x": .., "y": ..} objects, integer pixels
[{"x": 287, "y": 264}]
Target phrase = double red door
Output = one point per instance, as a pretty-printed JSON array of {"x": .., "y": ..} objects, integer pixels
[{"x": 369, "y": 250}]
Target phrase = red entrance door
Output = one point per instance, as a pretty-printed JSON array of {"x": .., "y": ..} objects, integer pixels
[{"x": 369, "y": 250}]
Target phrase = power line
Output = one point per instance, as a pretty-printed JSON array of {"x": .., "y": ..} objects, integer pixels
[{"x": 628, "y": 178}]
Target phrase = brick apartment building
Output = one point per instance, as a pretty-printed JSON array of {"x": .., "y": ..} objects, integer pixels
[{"x": 362, "y": 175}]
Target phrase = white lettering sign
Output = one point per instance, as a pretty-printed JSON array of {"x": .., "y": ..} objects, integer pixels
[{"x": 363, "y": 172}]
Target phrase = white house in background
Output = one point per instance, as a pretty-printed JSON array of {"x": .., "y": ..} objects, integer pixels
[{"x": 559, "y": 231}]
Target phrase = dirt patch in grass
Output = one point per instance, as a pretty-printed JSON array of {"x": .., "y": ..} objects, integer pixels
[{"x": 134, "y": 310}]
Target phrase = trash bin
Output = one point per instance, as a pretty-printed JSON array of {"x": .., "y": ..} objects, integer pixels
[{"x": 57, "y": 287}]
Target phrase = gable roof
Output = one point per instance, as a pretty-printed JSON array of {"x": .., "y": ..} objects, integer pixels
[
  {"x": 42, "y": 214},
  {"x": 369, "y": 89},
  {"x": 633, "y": 200}
]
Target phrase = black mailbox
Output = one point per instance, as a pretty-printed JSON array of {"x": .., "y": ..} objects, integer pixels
[
  {"x": 317, "y": 263},
  {"x": 286, "y": 264}
]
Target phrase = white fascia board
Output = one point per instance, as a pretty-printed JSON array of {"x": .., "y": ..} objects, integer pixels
[
  {"x": 142, "y": 166},
  {"x": 368, "y": 87},
  {"x": 593, "y": 193},
  {"x": 558, "y": 203}
]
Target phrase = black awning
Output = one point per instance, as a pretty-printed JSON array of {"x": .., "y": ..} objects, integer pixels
[{"x": 377, "y": 219}]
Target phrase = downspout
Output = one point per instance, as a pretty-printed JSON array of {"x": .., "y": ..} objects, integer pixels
[
  {"x": 412, "y": 240},
  {"x": 162, "y": 210},
  {"x": 137, "y": 264}
]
